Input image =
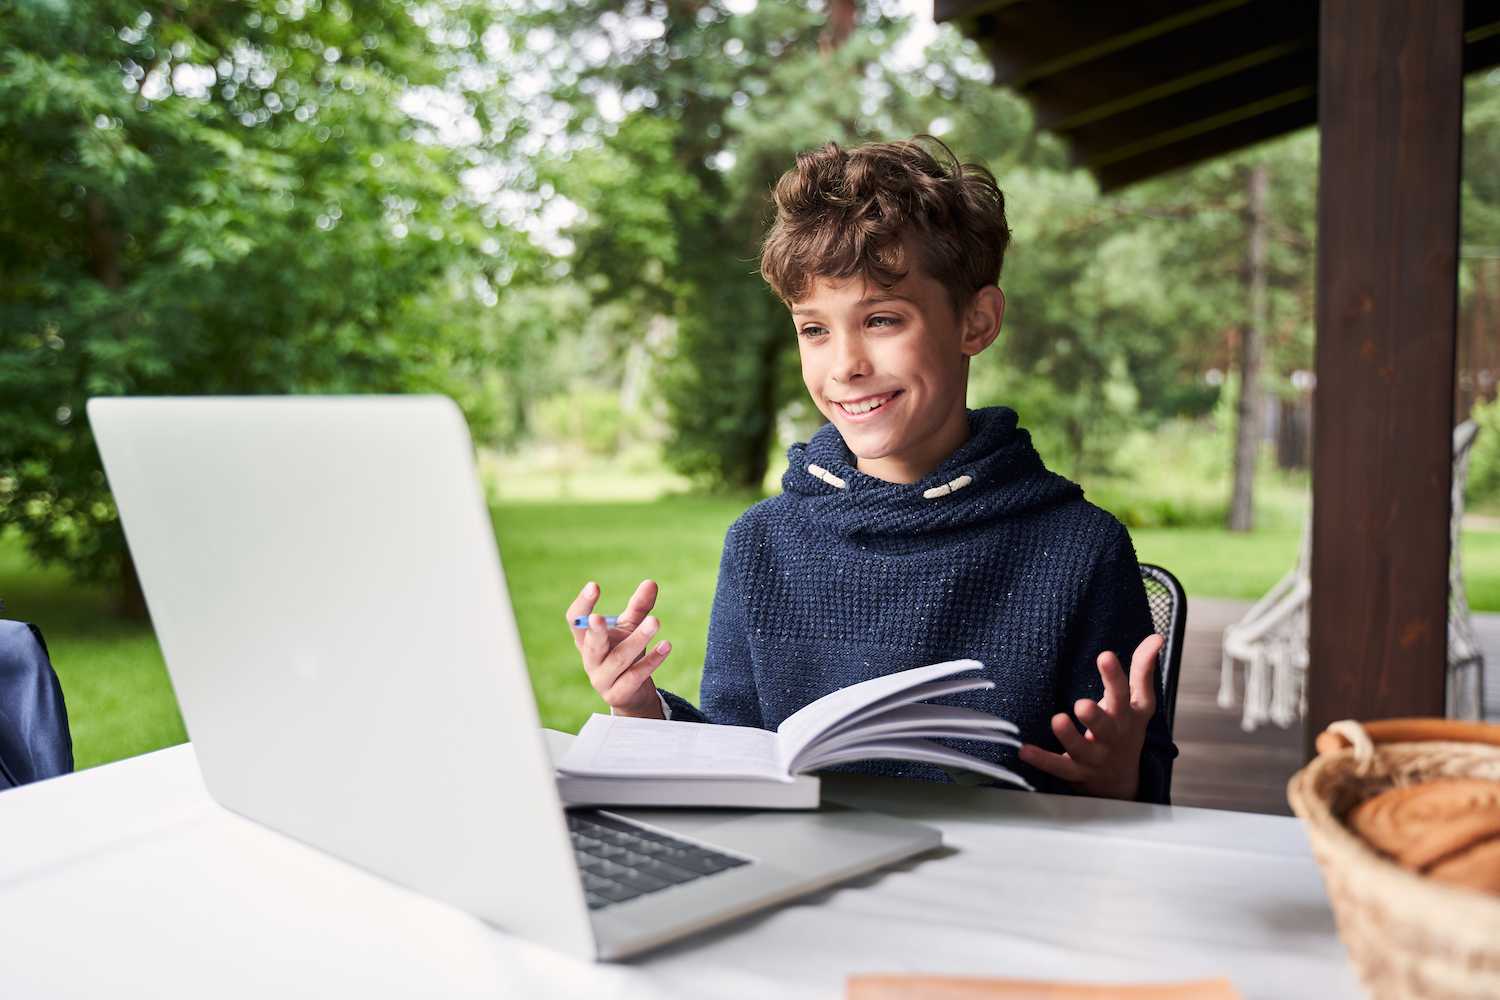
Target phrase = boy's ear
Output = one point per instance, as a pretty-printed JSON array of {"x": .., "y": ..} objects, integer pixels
[{"x": 982, "y": 319}]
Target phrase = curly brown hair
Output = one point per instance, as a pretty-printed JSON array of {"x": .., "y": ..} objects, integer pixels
[{"x": 841, "y": 213}]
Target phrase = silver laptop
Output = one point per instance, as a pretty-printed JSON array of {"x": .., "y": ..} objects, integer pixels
[{"x": 324, "y": 581}]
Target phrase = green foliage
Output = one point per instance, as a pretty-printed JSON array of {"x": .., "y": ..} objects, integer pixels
[
  {"x": 588, "y": 417},
  {"x": 723, "y": 384},
  {"x": 1140, "y": 508},
  {"x": 1174, "y": 476},
  {"x": 1168, "y": 493},
  {"x": 1076, "y": 432},
  {"x": 1118, "y": 305},
  {"x": 524, "y": 348},
  {"x": 1483, "y": 486},
  {"x": 249, "y": 197},
  {"x": 216, "y": 197},
  {"x": 1481, "y": 183},
  {"x": 1481, "y": 238},
  {"x": 1479, "y": 268},
  {"x": 1177, "y": 475},
  {"x": 674, "y": 187}
]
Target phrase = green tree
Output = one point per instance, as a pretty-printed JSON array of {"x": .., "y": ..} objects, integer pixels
[
  {"x": 1479, "y": 281},
  {"x": 216, "y": 197},
  {"x": 1120, "y": 303},
  {"x": 1244, "y": 242},
  {"x": 710, "y": 107}
]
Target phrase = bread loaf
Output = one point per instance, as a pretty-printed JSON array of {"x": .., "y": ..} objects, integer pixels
[{"x": 1447, "y": 829}]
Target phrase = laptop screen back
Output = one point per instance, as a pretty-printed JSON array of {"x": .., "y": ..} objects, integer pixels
[{"x": 325, "y": 585}]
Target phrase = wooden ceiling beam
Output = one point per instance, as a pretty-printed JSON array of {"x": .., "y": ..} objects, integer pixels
[
  {"x": 1227, "y": 138},
  {"x": 1483, "y": 54},
  {"x": 963, "y": 10},
  {"x": 1034, "y": 41},
  {"x": 1235, "y": 41},
  {"x": 1171, "y": 65},
  {"x": 1231, "y": 134},
  {"x": 1180, "y": 114},
  {"x": 1168, "y": 89},
  {"x": 1148, "y": 86},
  {"x": 1482, "y": 24}
]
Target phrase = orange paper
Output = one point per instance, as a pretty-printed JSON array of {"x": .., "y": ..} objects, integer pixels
[{"x": 908, "y": 987}]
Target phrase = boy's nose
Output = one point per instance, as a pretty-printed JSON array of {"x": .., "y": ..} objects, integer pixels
[{"x": 850, "y": 360}]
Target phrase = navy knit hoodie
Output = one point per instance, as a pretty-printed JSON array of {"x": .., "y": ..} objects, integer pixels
[{"x": 844, "y": 577}]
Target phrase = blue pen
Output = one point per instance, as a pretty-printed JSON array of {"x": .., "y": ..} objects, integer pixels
[{"x": 610, "y": 621}]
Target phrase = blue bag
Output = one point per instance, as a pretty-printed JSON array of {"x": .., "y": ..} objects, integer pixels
[{"x": 34, "y": 738}]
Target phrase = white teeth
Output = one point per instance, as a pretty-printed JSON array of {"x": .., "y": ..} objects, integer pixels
[{"x": 866, "y": 406}]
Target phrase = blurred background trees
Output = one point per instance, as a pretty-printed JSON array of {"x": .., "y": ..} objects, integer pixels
[
  {"x": 221, "y": 198},
  {"x": 552, "y": 211}
]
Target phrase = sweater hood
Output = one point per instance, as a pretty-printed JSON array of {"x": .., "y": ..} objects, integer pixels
[{"x": 994, "y": 475}]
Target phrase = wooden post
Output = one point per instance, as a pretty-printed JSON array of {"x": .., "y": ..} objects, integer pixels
[{"x": 1389, "y": 107}]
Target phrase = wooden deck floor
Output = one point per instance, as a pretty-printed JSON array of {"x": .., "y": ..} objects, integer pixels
[{"x": 1222, "y": 767}]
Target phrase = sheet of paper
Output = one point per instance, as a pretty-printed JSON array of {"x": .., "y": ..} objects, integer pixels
[{"x": 613, "y": 746}]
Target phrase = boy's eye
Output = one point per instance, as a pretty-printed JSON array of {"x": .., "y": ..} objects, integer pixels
[
  {"x": 812, "y": 331},
  {"x": 885, "y": 320}
]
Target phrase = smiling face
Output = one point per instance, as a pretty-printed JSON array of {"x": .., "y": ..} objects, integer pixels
[{"x": 890, "y": 368}]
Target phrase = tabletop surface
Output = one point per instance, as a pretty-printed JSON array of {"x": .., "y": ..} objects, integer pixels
[{"x": 128, "y": 880}]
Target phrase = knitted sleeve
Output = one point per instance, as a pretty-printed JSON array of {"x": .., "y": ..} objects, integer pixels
[
  {"x": 729, "y": 695},
  {"x": 1115, "y": 616}
]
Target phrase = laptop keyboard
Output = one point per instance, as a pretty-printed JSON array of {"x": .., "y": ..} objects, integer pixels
[{"x": 618, "y": 860}]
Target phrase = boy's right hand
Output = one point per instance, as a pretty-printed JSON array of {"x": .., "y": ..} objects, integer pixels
[{"x": 616, "y": 659}]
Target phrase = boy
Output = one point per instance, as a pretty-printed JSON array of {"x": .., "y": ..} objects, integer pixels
[{"x": 912, "y": 530}]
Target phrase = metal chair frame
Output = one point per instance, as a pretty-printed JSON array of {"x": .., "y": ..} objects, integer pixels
[{"x": 1168, "y": 602}]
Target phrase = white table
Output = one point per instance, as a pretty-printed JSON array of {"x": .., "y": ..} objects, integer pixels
[{"x": 128, "y": 880}]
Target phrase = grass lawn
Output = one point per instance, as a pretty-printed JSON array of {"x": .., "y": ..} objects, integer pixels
[
  {"x": 120, "y": 703},
  {"x": 119, "y": 700},
  {"x": 1211, "y": 562}
]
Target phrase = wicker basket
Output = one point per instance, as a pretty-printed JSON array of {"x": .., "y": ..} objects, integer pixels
[{"x": 1408, "y": 936}]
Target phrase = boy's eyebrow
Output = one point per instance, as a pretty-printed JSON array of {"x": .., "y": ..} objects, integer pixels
[{"x": 868, "y": 300}]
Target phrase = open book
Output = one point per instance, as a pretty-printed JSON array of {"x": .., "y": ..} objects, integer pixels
[{"x": 653, "y": 762}]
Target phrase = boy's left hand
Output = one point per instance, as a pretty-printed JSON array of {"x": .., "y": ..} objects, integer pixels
[{"x": 1105, "y": 760}]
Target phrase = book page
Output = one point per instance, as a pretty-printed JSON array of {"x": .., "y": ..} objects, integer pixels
[
  {"x": 920, "y": 693},
  {"x": 618, "y": 747},
  {"x": 926, "y": 721},
  {"x": 803, "y": 726},
  {"x": 926, "y": 751}
]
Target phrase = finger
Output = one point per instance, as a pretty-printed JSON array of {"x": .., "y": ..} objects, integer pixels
[
  {"x": 594, "y": 645},
  {"x": 635, "y": 675},
  {"x": 638, "y": 607},
  {"x": 1116, "y": 685},
  {"x": 582, "y": 605},
  {"x": 1084, "y": 753},
  {"x": 1102, "y": 727},
  {"x": 1142, "y": 675},
  {"x": 626, "y": 652},
  {"x": 1058, "y": 765}
]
